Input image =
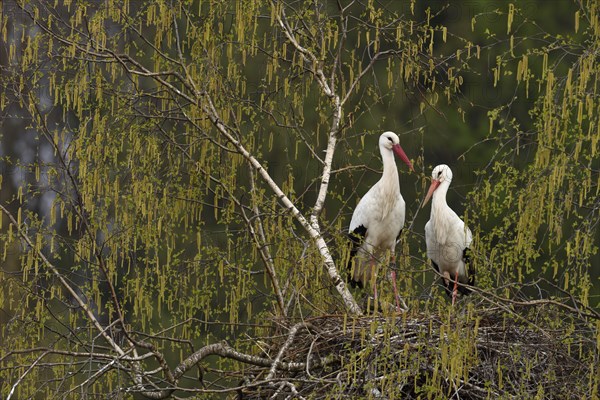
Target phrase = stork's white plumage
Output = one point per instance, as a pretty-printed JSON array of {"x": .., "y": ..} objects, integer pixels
[
  {"x": 446, "y": 236},
  {"x": 378, "y": 218}
]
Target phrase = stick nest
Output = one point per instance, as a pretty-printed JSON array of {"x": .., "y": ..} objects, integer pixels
[{"x": 489, "y": 353}]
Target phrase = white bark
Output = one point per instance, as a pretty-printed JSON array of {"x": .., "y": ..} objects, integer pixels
[{"x": 314, "y": 228}]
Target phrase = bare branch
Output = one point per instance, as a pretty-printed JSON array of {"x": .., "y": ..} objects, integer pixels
[
  {"x": 33, "y": 364},
  {"x": 84, "y": 306},
  {"x": 224, "y": 350}
]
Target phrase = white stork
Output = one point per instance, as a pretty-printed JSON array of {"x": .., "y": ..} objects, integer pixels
[
  {"x": 447, "y": 237},
  {"x": 378, "y": 219}
]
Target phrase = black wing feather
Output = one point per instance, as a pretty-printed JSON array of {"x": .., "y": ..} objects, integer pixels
[
  {"x": 435, "y": 266},
  {"x": 357, "y": 237},
  {"x": 470, "y": 271},
  {"x": 399, "y": 234}
]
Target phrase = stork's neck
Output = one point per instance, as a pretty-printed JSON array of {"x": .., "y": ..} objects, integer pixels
[
  {"x": 438, "y": 201},
  {"x": 390, "y": 173}
]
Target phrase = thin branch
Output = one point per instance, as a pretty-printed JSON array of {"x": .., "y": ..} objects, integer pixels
[
  {"x": 265, "y": 252},
  {"x": 286, "y": 345},
  {"x": 33, "y": 364},
  {"x": 64, "y": 282}
]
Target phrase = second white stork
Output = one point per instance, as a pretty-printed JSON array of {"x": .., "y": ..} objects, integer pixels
[
  {"x": 447, "y": 237},
  {"x": 378, "y": 219}
]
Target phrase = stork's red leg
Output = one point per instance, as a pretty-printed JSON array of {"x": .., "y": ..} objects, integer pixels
[{"x": 455, "y": 290}]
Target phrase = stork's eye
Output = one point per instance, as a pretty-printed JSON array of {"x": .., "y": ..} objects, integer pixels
[
  {"x": 439, "y": 174},
  {"x": 390, "y": 139}
]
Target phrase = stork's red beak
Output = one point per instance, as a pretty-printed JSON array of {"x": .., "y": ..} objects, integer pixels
[
  {"x": 434, "y": 185},
  {"x": 400, "y": 153}
]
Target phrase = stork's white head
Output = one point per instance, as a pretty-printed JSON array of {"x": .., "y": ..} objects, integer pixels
[
  {"x": 391, "y": 141},
  {"x": 440, "y": 174}
]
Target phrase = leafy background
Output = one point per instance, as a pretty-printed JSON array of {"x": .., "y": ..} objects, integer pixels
[{"x": 117, "y": 170}]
